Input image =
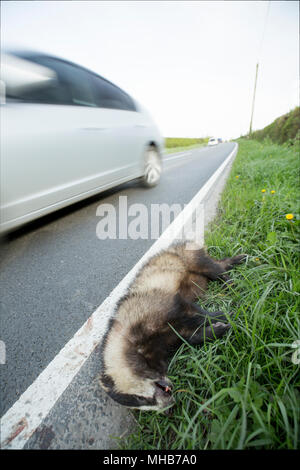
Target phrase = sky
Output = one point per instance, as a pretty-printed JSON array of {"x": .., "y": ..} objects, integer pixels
[{"x": 190, "y": 63}]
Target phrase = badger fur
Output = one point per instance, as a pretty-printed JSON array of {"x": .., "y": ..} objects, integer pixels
[{"x": 149, "y": 320}]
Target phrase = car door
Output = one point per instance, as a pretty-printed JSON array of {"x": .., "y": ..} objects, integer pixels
[
  {"x": 56, "y": 143},
  {"x": 125, "y": 128}
]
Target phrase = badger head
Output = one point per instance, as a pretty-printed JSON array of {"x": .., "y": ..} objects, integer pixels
[
  {"x": 139, "y": 392},
  {"x": 130, "y": 377}
]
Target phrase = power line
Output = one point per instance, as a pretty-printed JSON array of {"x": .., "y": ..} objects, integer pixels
[
  {"x": 256, "y": 73},
  {"x": 264, "y": 30}
]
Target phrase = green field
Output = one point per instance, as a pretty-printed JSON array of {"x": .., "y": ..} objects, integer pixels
[
  {"x": 243, "y": 390},
  {"x": 178, "y": 144}
]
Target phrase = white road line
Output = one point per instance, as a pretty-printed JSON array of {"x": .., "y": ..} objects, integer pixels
[{"x": 27, "y": 413}]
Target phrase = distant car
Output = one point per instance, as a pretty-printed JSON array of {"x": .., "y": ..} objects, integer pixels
[
  {"x": 67, "y": 134},
  {"x": 213, "y": 141},
  {"x": 220, "y": 140}
]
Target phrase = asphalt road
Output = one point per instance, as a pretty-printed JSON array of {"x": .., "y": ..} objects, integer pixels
[{"x": 55, "y": 271}]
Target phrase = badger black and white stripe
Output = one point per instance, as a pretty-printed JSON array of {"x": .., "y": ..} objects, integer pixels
[{"x": 141, "y": 336}]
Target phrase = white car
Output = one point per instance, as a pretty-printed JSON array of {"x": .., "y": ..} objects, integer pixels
[
  {"x": 67, "y": 134},
  {"x": 213, "y": 141}
]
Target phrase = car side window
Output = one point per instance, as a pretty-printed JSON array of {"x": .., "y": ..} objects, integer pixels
[
  {"x": 71, "y": 87},
  {"x": 76, "y": 86},
  {"x": 72, "y": 78},
  {"x": 110, "y": 96},
  {"x": 55, "y": 91},
  {"x": 53, "y": 94}
]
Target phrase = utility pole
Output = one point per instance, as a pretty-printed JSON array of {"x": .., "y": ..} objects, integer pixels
[{"x": 253, "y": 101}]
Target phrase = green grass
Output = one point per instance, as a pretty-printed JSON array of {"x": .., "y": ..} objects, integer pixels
[
  {"x": 178, "y": 144},
  {"x": 181, "y": 149},
  {"x": 173, "y": 142},
  {"x": 243, "y": 390}
]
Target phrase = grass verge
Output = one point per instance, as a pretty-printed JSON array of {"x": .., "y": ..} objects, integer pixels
[
  {"x": 243, "y": 391},
  {"x": 285, "y": 129},
  {"x": 179, "y": 144},
  {"x": 183, "y": 148}
]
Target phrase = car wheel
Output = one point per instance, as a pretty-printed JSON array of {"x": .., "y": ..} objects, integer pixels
[{"x": 152, "y": 168}]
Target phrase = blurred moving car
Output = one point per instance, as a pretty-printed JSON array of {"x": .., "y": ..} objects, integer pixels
[
  {"x": 220, "y": 140},
  {"x": 67, "y": 134},
  {"x": 213, "y": 141}
]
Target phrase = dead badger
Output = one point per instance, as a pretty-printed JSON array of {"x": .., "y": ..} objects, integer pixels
[{"x": 141, "y": 336}]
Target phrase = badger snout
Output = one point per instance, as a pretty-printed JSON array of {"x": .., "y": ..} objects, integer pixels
[{"x": 163, "y": 392}]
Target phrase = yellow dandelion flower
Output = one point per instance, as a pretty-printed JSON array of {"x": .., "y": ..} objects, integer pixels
[
  {"x": 237, "y": 176},
  {"x": 273, "y": 192},
  {"x": 263, "y": 190},
  {"x": 289, "y": 216},
  {"x": 256, "y": 259}
]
